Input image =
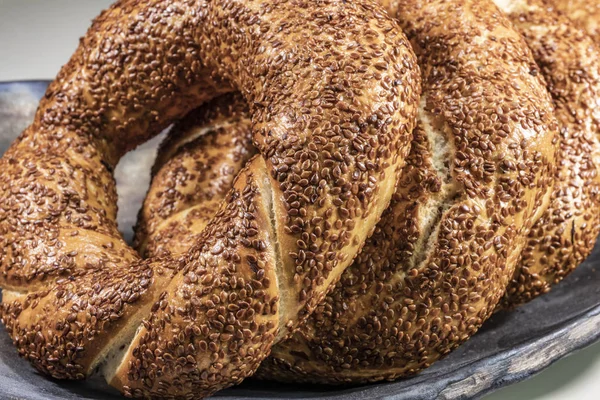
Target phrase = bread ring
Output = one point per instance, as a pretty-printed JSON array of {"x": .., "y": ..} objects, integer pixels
[
  {"x": 569, "y": 60},
  {"x": 480, "y": 173},
  {"x": 334, "y": 88}
]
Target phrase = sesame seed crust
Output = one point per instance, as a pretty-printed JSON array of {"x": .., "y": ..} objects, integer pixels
[
  {"x": 486, "y": 119},
  {"x": 195, "y": 169},
  {"x": 481, "y": 171},
  {"x": 569, "y": 60},
  {"x": 333, "y": 90},
  {"x": 584, "y": 13}
]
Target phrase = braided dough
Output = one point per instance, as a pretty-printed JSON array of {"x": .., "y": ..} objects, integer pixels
[
  {"x": 481, "y": 172},
  {"x": 333, "y": 88}
]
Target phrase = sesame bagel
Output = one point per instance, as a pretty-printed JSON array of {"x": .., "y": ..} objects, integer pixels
[
  {"x": 333, "y": 88},
  {"x": 481, "y": 171},
  {"x": 565, "y": 235}
]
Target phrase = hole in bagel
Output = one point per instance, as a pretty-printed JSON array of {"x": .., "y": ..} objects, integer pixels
[{"x": 133, "y": 179}]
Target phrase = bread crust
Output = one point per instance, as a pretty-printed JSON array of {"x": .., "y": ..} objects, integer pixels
[
  {"x": 194, "y": 170},
  {"x": 392, "y": 315},
  {"x": 481, "y": 171},
  {"x": 333, "y": 86},
  {"x": 585, "y": 14},
  {"x": 565, "y": 235}
]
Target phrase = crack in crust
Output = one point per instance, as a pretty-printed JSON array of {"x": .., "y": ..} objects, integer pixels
[{"x": 486, "y": 165}]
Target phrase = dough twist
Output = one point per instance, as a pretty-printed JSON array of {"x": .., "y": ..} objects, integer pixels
[
  {"x": 333, "y": 88},
  {"x": 486, "y": 165}
]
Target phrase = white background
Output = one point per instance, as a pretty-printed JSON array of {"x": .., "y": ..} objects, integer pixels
[{"x": 37, "y": 37}]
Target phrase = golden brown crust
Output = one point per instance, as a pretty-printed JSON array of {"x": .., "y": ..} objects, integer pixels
[
  {"x": 219, "y": 316},
  {"x": 333, "y": 88},
  {"x": 489, "y": 127},
  {"x": 194, "y": 170},
  {"x": 585, "y": 14},
  {"x": 480, "y": 173},
  {"x": 569, "y": 60}
]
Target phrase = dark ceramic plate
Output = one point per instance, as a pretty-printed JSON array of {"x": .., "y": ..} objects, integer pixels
[{"x": 510, "y": 347}]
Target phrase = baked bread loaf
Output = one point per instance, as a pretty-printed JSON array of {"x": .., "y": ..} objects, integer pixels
[
  {"x": 481, "y": 172},
  {"x": 334, "y": 90}
]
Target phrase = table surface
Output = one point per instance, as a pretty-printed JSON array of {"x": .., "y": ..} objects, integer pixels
[{"x": 38, "y": 36}]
